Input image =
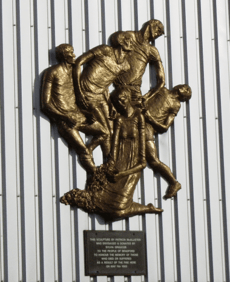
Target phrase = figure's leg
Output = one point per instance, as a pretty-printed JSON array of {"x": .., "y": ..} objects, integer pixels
[
  {"x": 102, "y": 119},
  {"x": 105, "y": 109},
  {"x": 138, "y": 209},
  {"x": 164, "y": 170},
  {"x": 98, "y": 132},
  {"x": 73, "y": 138},
  {"x": 156, "y": 164}
]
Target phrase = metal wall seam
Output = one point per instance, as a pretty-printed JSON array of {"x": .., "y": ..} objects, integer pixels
[
  {"x": 190, "y": 193},
  {"x": 211, "y": 194},
  {"x": 1, "y": 154},
  {"x": 26, "y": 141},
  {"x": 8, "y": 147},
  {"x": 220, "y": 128},
  {"x": 35, "y": 134}
]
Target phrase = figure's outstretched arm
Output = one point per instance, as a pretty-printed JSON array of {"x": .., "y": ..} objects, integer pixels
[
  {"x": 160, "y": 128},
  {"x": 83, "y": 59},
  {"x": 156, "y": 60}
]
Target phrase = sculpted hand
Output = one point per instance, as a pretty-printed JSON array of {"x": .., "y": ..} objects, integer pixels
[
  {"x": 115, "y": 177},
  {"x": 113, "y": 114}
]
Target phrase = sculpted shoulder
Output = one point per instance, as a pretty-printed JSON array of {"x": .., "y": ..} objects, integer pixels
[
  {"x": 52, "y": 71},
  {"x": 103, "y": 49},
  {"x": 154, "y": 53}
]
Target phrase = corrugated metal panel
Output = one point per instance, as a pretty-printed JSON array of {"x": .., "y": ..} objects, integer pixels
[{"x": 42, "y": 240}]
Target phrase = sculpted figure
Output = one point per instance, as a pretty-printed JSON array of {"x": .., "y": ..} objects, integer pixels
[
  {"x": 110, "y": 191},
  {"x": 59, "y": 104},
  {"x": 162, "y": 109},
  {"x": 142, "y": 54},
  {"x": 103, "y": 65}
]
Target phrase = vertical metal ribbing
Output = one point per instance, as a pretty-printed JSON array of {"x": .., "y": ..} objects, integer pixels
[
  {"x": 21, "y": 149},
  {"x": 76, "y": 218},
  {"x": 204, "y": 120},
  {"x": 170, "y": 80},
  {"x": 86, "y": 25},
  {"x": 151, "y": 9},
  {"x": 3, "y": 151},
  {"x": 221, "y": 152},
  {"x": 104, "y": 40},
  {"x": 38, "y": 139},
  {"x": 58, "y": 227},
  {"x": 56, "y": 152},
  {"x": 136, "y": 20},
  {"x": 70, "y": 28},
  {"x": 53, "y": 32},
  {"x": 190, "y": 169},
  {"x": 119, "y": 14}
]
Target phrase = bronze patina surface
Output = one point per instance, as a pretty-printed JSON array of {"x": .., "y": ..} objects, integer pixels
[{"x": 123, "y": 123}]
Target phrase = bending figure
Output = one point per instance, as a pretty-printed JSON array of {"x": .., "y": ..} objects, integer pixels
[
  {"x": 143, "y": 53},
  {"x": 103, "y": 64}
]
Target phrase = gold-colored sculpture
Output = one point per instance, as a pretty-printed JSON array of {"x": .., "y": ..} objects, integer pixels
[
  {"x": 142, "y": 54},
  {"x": 103, "y": 65},
  {"x": 123, "y": 123},
  {"x": 59, "y": 104},
  {"x": 113, "y": 196},
  {"x": 161, "y": 111}
]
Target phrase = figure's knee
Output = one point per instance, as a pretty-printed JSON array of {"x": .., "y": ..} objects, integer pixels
[
  {"x": 105, "y": 133},
  {"x": 153, "y": 162}
]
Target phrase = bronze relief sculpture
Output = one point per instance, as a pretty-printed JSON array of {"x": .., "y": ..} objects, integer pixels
[{"x": 123, "y": 123}]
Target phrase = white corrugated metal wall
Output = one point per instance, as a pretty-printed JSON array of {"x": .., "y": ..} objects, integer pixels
[{"x": 42, "y": 240}]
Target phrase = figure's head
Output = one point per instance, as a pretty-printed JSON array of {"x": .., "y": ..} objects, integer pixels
[
  {"x": 121, "y": 98},
  {"x": 123, "y": 39},
  {"x": 183, "y": 91},
  {"x": 64, "y": 53},
  {"x": 152, "y": 29}
]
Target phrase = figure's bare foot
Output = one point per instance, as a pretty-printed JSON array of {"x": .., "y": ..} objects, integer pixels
[
  {"x": 172, "y": 191},
  {"x": 154, "y": 209}
]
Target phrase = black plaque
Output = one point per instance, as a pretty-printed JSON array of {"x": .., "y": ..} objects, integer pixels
[{"x": 115, "y": 253}]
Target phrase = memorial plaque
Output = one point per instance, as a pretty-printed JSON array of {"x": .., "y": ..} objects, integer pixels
[{"x": 115, "y": 253}]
